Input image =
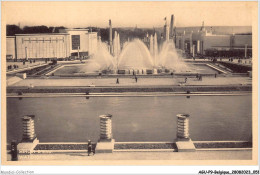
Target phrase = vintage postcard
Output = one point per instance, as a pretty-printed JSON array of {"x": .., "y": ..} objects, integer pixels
[{"x": 129, "y": 83}]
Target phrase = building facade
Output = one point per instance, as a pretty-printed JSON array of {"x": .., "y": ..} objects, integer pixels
[
  {"x": 206, "y": 43},
  {"x": 33, "y": 46},
  {"x": 10, "y": 47},
  {"x": 67, "y": 43}
]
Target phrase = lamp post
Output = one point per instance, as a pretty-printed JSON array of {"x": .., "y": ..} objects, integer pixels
[
  {"x": 245, "y": 50},
  {"x": 26, "y": 54}
]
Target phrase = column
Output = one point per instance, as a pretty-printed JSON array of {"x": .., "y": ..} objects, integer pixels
[
  {"x": 105, "y": 127},
  {"x": 26, "y": 53},
  {"x": 193, "y": 50},
  {"x": 106, "y": 142},
  {"x": 78, "y": 52},
  {"x": 198, "y": 46},
  {"x": 28, "y": 128},
  {"x": 183, "y": 127},
  {"x": 246, "y": 51},
  {"x": 29, "y": 140},
  {"x": 184, "y": 142}
]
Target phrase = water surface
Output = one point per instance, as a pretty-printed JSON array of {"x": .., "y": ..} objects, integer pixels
[{"x": 69, "y": 119}]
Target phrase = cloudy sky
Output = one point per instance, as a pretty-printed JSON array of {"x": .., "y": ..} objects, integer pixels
[{"x": 127, "y": 14}]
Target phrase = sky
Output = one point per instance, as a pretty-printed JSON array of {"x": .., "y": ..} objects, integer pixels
[{"x": 127, "y": 14}]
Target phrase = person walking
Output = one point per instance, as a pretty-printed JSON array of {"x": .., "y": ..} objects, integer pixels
[
  {"x": 136, "y": 79},
  {"x": 117, "y": 81}
]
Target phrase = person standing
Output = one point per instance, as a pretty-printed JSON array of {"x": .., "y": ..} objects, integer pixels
[
  {"x": 89, "y": 147},
  {"x": 197, "y": 76},
  {"x": 14, "y": 151}
]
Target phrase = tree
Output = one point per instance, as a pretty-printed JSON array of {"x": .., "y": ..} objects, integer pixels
[
  {"x": 11, "y": 30},
  {"x": 36, "y": 29}
]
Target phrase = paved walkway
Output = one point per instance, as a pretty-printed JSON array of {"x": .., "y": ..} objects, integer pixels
[
  {"x": 198, "y": 155},
  {"x": 131, "y": 81},
  {"x": 26, "y": 65},
  {"x": 242, "y": 61}
]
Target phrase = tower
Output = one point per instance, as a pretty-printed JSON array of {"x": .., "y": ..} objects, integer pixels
[
  {"x": 110, "y": 37},
  {"x": 172, "y": 27},
  {"x": 166, "y": 30},
  {"x": 202, "y": 27}
]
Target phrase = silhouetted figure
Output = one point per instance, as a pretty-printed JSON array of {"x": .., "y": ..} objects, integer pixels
[
  {"x": 14, "y": 150},
  {"x": 89, "y": 147},
  {"x": 93, "y": 149},
  {"x": 117, "y": 81},
  {"x": 215, "y": 75},
  {"x": 197, "y": 76},
  {"x": 186, "y": 79},
  {"x": 136, "y": 79}
]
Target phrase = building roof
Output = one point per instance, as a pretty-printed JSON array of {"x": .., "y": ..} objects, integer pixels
[
  {"x": 76, "y": 29},
  {"x": 35, "y": 34}
]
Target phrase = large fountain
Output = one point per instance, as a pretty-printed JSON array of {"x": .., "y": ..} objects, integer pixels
[
  {"x": 135, "y": 56},
  {"x": 169, "y": 59},
  {"x": 100, "y": 61}
]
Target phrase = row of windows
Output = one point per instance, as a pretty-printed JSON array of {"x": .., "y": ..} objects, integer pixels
[
  {"x": 51, "y": 39},
  {"x": 39, "y": 50}
]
